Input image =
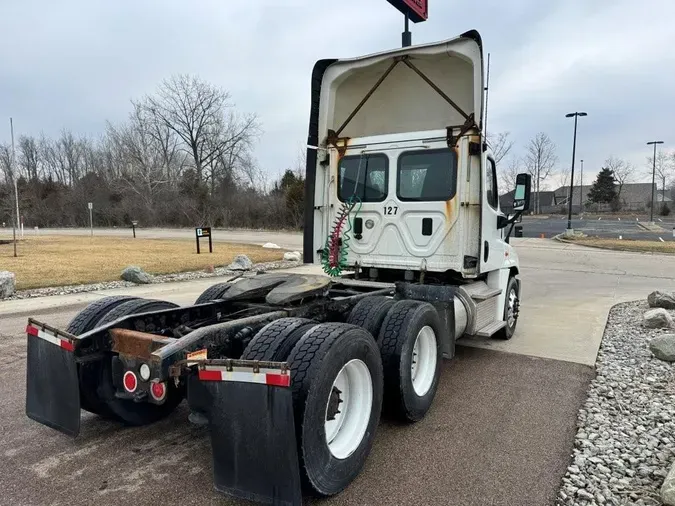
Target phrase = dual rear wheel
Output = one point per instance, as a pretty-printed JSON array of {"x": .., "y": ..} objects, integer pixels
[{"x": 343, "y": 375}]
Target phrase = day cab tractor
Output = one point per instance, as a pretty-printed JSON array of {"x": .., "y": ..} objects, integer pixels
[{"x": 291, "y": 372}]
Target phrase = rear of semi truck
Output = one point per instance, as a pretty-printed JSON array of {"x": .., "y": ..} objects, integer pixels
[{"x": 291, "y": 372}]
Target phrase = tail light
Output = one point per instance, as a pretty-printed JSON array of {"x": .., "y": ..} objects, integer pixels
[
  {"x": 130, "y": 382},
  {"x": 158, "y": 390}
]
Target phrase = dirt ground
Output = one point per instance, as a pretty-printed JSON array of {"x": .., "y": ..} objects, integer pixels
[{"x": 55, "y": 261}]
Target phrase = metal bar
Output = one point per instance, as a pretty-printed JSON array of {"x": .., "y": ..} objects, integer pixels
[
  {"x": 436, "y": 88},
  {"x": 368, "y": 95},
  {"x": 194, "y": 337}
]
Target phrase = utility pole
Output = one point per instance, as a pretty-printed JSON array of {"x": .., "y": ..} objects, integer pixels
[
  {"x": 651, "y": 211},
  {"x": 574, "y": 115},
  {"x": 581, "y": 190},
  {"x": 15, "y": 222}
]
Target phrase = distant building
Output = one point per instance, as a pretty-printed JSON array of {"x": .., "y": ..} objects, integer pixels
[{"x": 633, "y": 197}]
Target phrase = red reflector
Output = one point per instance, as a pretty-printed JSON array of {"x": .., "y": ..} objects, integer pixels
[
  {"x": 205, "y": 375},
  {"x": 130, "y": 382},
  {"x": 31, "y": 330},
  {"x": 67, "y": 345},
  {"x": 278, "y": 380},
  {"x": 158, "y": 391}
]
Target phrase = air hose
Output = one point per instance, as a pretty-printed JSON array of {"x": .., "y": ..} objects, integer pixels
[{"x": 334, "y": 256}]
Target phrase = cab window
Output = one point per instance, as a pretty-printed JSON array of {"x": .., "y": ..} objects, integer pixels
[
  {"x": 491, "y": 183},
  {"x": 427, "y": 175},
  {"x": 364, "y": 177}
]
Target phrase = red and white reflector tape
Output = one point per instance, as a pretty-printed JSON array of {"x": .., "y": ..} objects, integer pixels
[
  {"x": 43, "y": 334},
  {"x": 272, "y": 377}
]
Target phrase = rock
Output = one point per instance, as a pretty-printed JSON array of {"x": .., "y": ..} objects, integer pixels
[
  {"x": 663, "y": 347},
  {"x": 271, "y": 245},
  {"x": 668, "y": 488},
  {"x": 583, "y": 494},
  {"x": 7, "y": 284},
  {"x": 136, "y": 275},
  {"x": 293, "y": 256},
  {"x": 210, "y": 269},
  {"x": 240, "y": 263},
  {"x": 657, "y": 319},
  {"x": 661, "y": 299}
]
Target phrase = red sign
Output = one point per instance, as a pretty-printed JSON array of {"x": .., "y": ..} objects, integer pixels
[{"x": 417, "y": 10}]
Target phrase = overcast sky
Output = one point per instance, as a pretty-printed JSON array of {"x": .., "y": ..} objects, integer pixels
[{"x": 75, "y": 63}]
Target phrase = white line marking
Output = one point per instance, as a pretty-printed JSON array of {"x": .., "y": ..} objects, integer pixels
[{"x": 660, "y": 219}]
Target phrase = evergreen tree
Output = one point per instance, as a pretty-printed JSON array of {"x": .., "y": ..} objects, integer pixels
[{"x": 603, "y": 190}]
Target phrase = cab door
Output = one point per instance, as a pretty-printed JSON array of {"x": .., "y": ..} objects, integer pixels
[{"x": 493, "y": 247}]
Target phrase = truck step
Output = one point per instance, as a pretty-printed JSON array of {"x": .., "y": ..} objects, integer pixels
[
  {"x": 485, "y": 295},
  {"x": 489, "y": 330}
]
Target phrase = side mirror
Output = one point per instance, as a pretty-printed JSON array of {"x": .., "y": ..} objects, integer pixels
[{"x": 521, "y": 197}]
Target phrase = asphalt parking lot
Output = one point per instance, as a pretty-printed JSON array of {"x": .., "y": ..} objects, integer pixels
[{"x": 628, "y": 227}]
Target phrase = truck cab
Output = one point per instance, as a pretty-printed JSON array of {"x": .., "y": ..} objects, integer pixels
[{"x": 400, "y": 178}]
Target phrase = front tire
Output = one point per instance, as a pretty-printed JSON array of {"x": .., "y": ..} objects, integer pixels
[
  {"x": 411, "y": 348},
  {"x": 336, "y": 378},
  {"x": 511, "y": 310}
]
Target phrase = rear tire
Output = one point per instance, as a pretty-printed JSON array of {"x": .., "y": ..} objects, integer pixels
[
  {"x": 511, "y": 310},
  {"x": 275, "y": 340},
  {"x": 213, "y": 292},
  {"x": 125, "y": 410},
  {"x": 88, "y": 374},
  {"x": 329, "y": 356},
  {"x": 369, "y": 313},
  {"x": 411, "y": 348}
]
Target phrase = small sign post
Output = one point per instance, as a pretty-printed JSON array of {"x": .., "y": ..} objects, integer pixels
[
  {"x": 90, "y": 205},
  {"x": 413, "y": 10},
  {"x": 133, "y": 227},
  {"x": 203, "y": 232}
]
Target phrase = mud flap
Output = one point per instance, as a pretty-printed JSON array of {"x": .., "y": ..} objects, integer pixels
[
  {"x": 52, "y": 387},
  {"x": 252, "y": 434}
]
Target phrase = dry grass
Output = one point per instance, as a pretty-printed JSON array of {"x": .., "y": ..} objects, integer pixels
[
  {"x": 627, "y": 244},
  {"x": 58, "y": 261}
]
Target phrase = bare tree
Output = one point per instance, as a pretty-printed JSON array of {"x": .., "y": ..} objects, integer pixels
[
  {"x": 540, "y": 160},
  {"x": 663, "y": 169},
  {"x": 196, "y": 112},
  {"x": 500, "y": 144},
  {"x": 508, "y": 172},
  {"x": 29, "y": 156},
  {"x": 6, "y": 162},
  {"x": 624, "y": 172}
]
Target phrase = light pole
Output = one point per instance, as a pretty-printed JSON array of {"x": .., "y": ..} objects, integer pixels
[
  {"x": 581, "y": 188},
  {"x": 575, "y": 115},
  {"x": 651, "y": 213},
  {"x": 16, "y": 189}
]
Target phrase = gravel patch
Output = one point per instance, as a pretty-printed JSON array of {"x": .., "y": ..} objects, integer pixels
[
  {"x": 159, "y": 278},
  {"x": 625, "y": 442}
]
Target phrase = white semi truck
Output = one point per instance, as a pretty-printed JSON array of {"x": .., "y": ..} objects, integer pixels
[{"x": 291, "y": 372}]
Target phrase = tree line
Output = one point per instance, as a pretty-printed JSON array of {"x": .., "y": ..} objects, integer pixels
[
  {"x": 184, "y": 157},
  {"x": 540, "y": 160}
]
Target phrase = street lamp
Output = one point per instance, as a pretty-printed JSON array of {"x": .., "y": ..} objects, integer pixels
[
  {"x": 581, "y": 188},
  {"x": 574, "y": 115},
  {"x": 651, "y": 214}
]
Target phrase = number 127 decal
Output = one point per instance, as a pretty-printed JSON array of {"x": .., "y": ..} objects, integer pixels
[{"x": 391, "y": 210}]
